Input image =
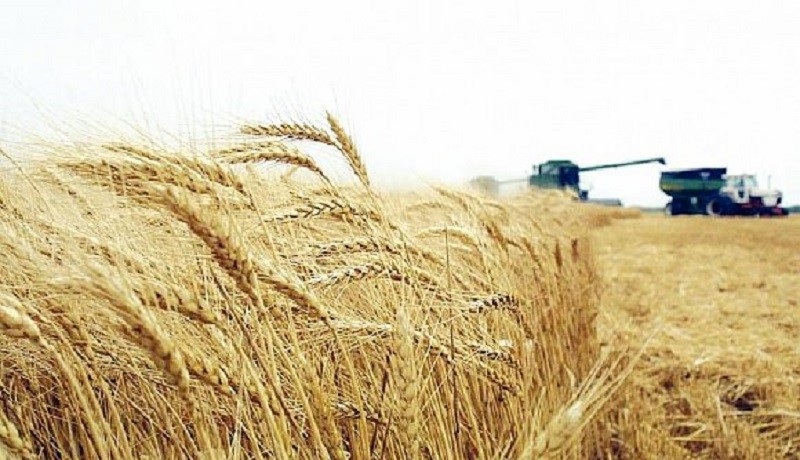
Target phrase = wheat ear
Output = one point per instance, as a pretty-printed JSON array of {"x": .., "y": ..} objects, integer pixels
[
  {"x": 14, "y": 322},
  {"x": 224, "y": 244},
  {"x": 232, "y": 255},
  {"x": 209, "y": 372},
  {"x": 289, "y": 131},
  {"x": 143, "y": 327},
  {"x": 270, "y": 151},
  {"x": 336, "y": 207},
  {"x": 138, "y": 152},
  {"x": 348, "y": 149},
  {"x": 406, "y": 381},
  {"x": 355, "y": 273},
  {"x": 10, "y": 436}
]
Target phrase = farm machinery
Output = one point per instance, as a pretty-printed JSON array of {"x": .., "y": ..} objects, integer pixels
[
  {"x": 559, "y": 174},
  {"x": 713, "y": 192}
]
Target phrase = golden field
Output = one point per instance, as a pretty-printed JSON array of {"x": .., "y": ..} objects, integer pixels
[
  {"x": 195, "y": 303},
  {"x": 718, "y": 302}
]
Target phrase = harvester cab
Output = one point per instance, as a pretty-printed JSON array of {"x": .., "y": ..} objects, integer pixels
[{"x": 562, "y": 174}]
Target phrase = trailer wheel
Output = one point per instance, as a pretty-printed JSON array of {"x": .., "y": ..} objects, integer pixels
[{"x": 668, "y": 209}]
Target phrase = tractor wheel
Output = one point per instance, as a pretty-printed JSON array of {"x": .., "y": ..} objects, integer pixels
[
  {"x": 713, "y": 208},
  {"x": 668, "y": 209},
  {"x": 718, "y": 207}
]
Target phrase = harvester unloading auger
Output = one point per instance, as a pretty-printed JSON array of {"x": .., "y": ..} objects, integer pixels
[{"x": 559, "y": 174}]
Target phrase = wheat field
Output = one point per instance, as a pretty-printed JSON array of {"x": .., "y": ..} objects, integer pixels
[{"x": 163, "y": 304}]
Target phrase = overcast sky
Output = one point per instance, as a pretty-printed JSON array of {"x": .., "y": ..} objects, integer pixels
[{"x": 438, "y": 90}]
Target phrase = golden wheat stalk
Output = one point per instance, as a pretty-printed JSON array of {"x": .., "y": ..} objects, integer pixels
[
  {"x": 429, "y": 342},
  {"x": 128, "y": 176},
  {"x": 138, "y": 152},
  {"x": 178, "y": 299},
  {"x": 565, "y": 426},
  {"x": 215, "y": 172},
  {"x": 348, "y": 149},
  {"x": 465, "y": 201},
  {"x": 335, "y": 207},
  {"x": 232, "y": 255},
  {"x": 76, "y": 330},
  {"x": 353, "y": 245},
  {"x": 210, "y": 372},
  {"x": 13, "y": 440},
  {"x": 491, "y": 353},
  {"x": 355, "y": 273},
  {"x": 455, "y": 232},
  {"x": 289, "y": 131},
  {"x": 259, "y": 152},
  {"x": 348, "y": 409},
  {"x": 14, "y": 322},
  {"x": 356, "y": 245},
  {"x": 52, "y": 176},
  {"x": 407, "y": 385},
  {"x": 143, "y": 327},
  {"x": 229, "y": 252},
  {"x": 493, "y": 302}
]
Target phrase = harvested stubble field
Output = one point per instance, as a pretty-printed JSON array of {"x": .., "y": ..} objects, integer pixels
[
  {"x": 160, "y": 304},
  {"x": 719, "y": 302}
]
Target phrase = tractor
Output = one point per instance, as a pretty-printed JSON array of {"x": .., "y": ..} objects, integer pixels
[{"x": 713, "y": 192}]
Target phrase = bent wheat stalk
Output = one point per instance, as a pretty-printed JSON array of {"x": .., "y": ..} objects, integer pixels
[
  {"x": 348, "y": 149},
  {"x": 290, "y": 131},
  {"x": 270, "y": 151},
  {"x": 143, "y": 328},
  {"x": 13, "y": 440}
]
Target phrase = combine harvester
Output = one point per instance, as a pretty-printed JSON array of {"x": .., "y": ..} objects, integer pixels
[
  {"x": 713, "y": 192},
  {"x": 559, "y": 174}
]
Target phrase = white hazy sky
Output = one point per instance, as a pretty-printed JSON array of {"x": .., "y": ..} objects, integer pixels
[{"x": 440, "y": 90}]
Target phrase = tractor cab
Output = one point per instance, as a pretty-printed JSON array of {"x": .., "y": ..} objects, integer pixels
[
  {"x": 739, "y": 187},
  {"x": 743, "y": 189}
]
